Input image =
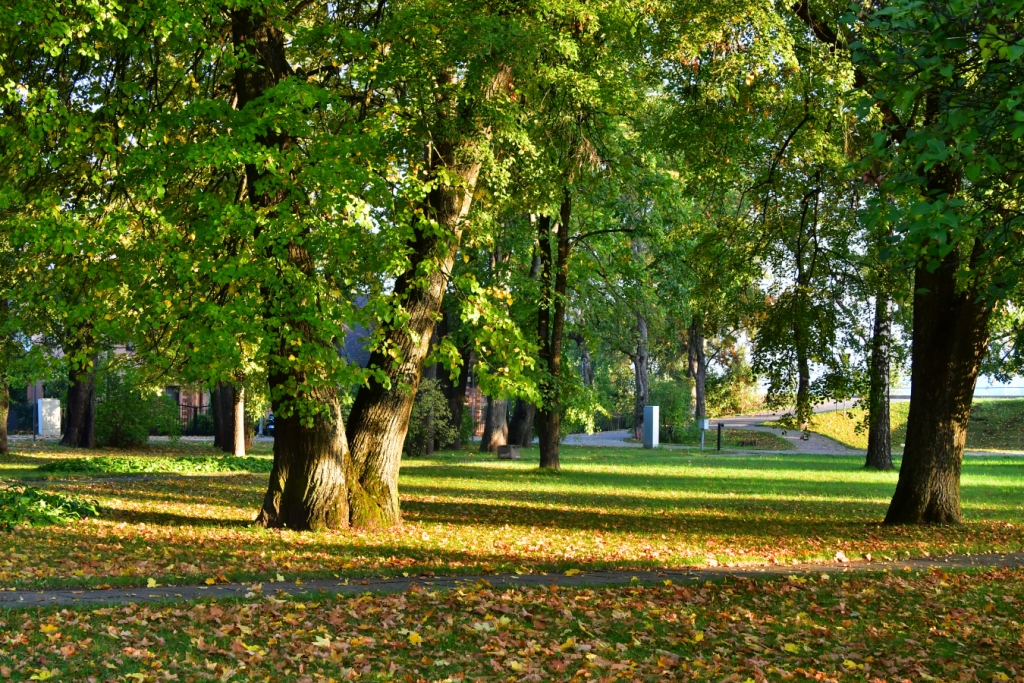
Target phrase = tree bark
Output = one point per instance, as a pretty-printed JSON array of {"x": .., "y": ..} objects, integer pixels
[
  {"x": 238, "y": 436},
  {"x": 227, "y": 400},
  {"x": 218, "y": 419},
  {"x": 379, "y": 419},
  {"x": 80, "y": 431},
  {"x": 697, "y": 367},
  {"x": 5, "y": 407},
  {"x": 950, "y": 338},
  {"x": 496, "y": 427},
  {"x": 307, "y": 488},
  {"x": 640, "y": 366},
  {"x": 520, "y": 428},
  {"x": 550, "y": 328},
  {"x": 879, "y": 456}
]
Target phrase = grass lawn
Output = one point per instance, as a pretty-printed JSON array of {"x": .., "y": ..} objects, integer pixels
[
  {"x": 996, "y": 425},
  {"x": 464, "y": 512},
  {"x": 900, "y": 626}
]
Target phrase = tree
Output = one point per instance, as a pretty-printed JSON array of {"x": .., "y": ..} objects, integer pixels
[{"x": 949, "y": 88}]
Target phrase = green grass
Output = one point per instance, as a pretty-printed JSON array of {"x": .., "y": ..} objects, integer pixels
[
  {"x": 996, "y": 425},
  {"x": 900, "y": 626},
  {"x": 150, "y": 465},
  {"x": 468, "y": 513},
  {"x": 732, "y": 439}
]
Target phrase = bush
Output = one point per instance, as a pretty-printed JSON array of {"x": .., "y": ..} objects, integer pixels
[
  {"x": 430, "y": 417},
  {"x": 184, "y": 465},
  {"x": 673, "y": 398},
  {"x": 34, "y": 507},
  {"x": 127, "y": 412},
  {"x": 201, "y": 425}
]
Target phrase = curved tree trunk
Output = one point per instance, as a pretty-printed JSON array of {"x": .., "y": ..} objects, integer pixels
[
  {"x": 380, "y": 415},
  {"x": 698, "y": 367},
  {"x": 879, "y": 456},
  {"x": 80, "y": 431},
  {"x": 949, "y": 340},
  {"x": 550, "y": 329}
]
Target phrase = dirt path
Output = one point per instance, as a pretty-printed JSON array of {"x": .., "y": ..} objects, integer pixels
[{"x": 25, "y": 599}]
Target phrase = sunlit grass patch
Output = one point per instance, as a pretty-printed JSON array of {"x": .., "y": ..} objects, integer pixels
[{"x": 468, "y": 513}]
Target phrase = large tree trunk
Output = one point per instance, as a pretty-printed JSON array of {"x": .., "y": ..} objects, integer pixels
[
  {"x": 550, "y": 329},
  {"x": 218, "y": 419},
  {"x": 307, "y": 488},
  {"x": 640, "y": 366},
  {"x": 80, "y": 431},
  {"x": 5, "y": 407},
  {"x": 227, "y": 400},
  {"x": 879, "y": 456},
  {"x": 496, "y": 428},
  {"x": 380, "y": 415},
  {"x": 238, "y": 435},
  {"x": 520, "y": 428},
  {"x": 698, "y": 367},
  {"x": 949, "y": 340}
]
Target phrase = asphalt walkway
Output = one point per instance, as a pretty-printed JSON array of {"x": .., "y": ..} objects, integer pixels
[{"x": 20, "y": 599}]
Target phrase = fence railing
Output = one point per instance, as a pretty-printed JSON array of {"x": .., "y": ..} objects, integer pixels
[{"x": 195, "y": 420}]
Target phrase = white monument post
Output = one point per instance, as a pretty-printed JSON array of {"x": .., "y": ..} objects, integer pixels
[
  {"x": 651, "y": 427},
  {"x": 48, "y": 416}
]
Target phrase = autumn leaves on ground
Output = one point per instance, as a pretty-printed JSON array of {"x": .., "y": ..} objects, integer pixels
[{"x": 469, "y": 513}]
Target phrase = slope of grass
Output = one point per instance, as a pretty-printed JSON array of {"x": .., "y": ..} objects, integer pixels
[
  {"x": 996, "y": 424},
  {"x": 468, "y": 513}
]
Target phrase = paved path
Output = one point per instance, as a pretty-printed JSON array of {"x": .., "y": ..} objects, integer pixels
[
  {"x": 815, "y": 443},
  {"x": 25, "y": 599}
]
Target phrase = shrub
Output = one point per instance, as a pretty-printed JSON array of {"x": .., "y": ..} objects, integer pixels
[
  {"x": 127, "y": 412},
  {"x": 34, "y": 507},
  {"x": 184, "y": 465},
  {"x": 430, "y": 418}
]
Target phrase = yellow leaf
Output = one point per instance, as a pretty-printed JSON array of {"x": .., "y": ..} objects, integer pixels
[
  {"x": 698, "y": 636},
  {"x": 849, "y": 664},
  {"x": 667, "y": 582},
  {"x": 572, "y": 572},
  {"x": 515, "y": 665},
  {"x": 791, "y": 647},
  {"x": 415, "y": 638},
  {"x": 322, "y": 641},
  {"x": 1000, "y": 676},
  {"x": 151, "y": 583},
  {"x": 210, "y": 582},
  {"x": 48, "y": 628},
  {"x": 44, "y": 675},
  {"x": 280, "y": 578}
]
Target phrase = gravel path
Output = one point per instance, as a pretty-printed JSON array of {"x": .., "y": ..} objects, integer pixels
[{"x": 16, "y": 599}]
